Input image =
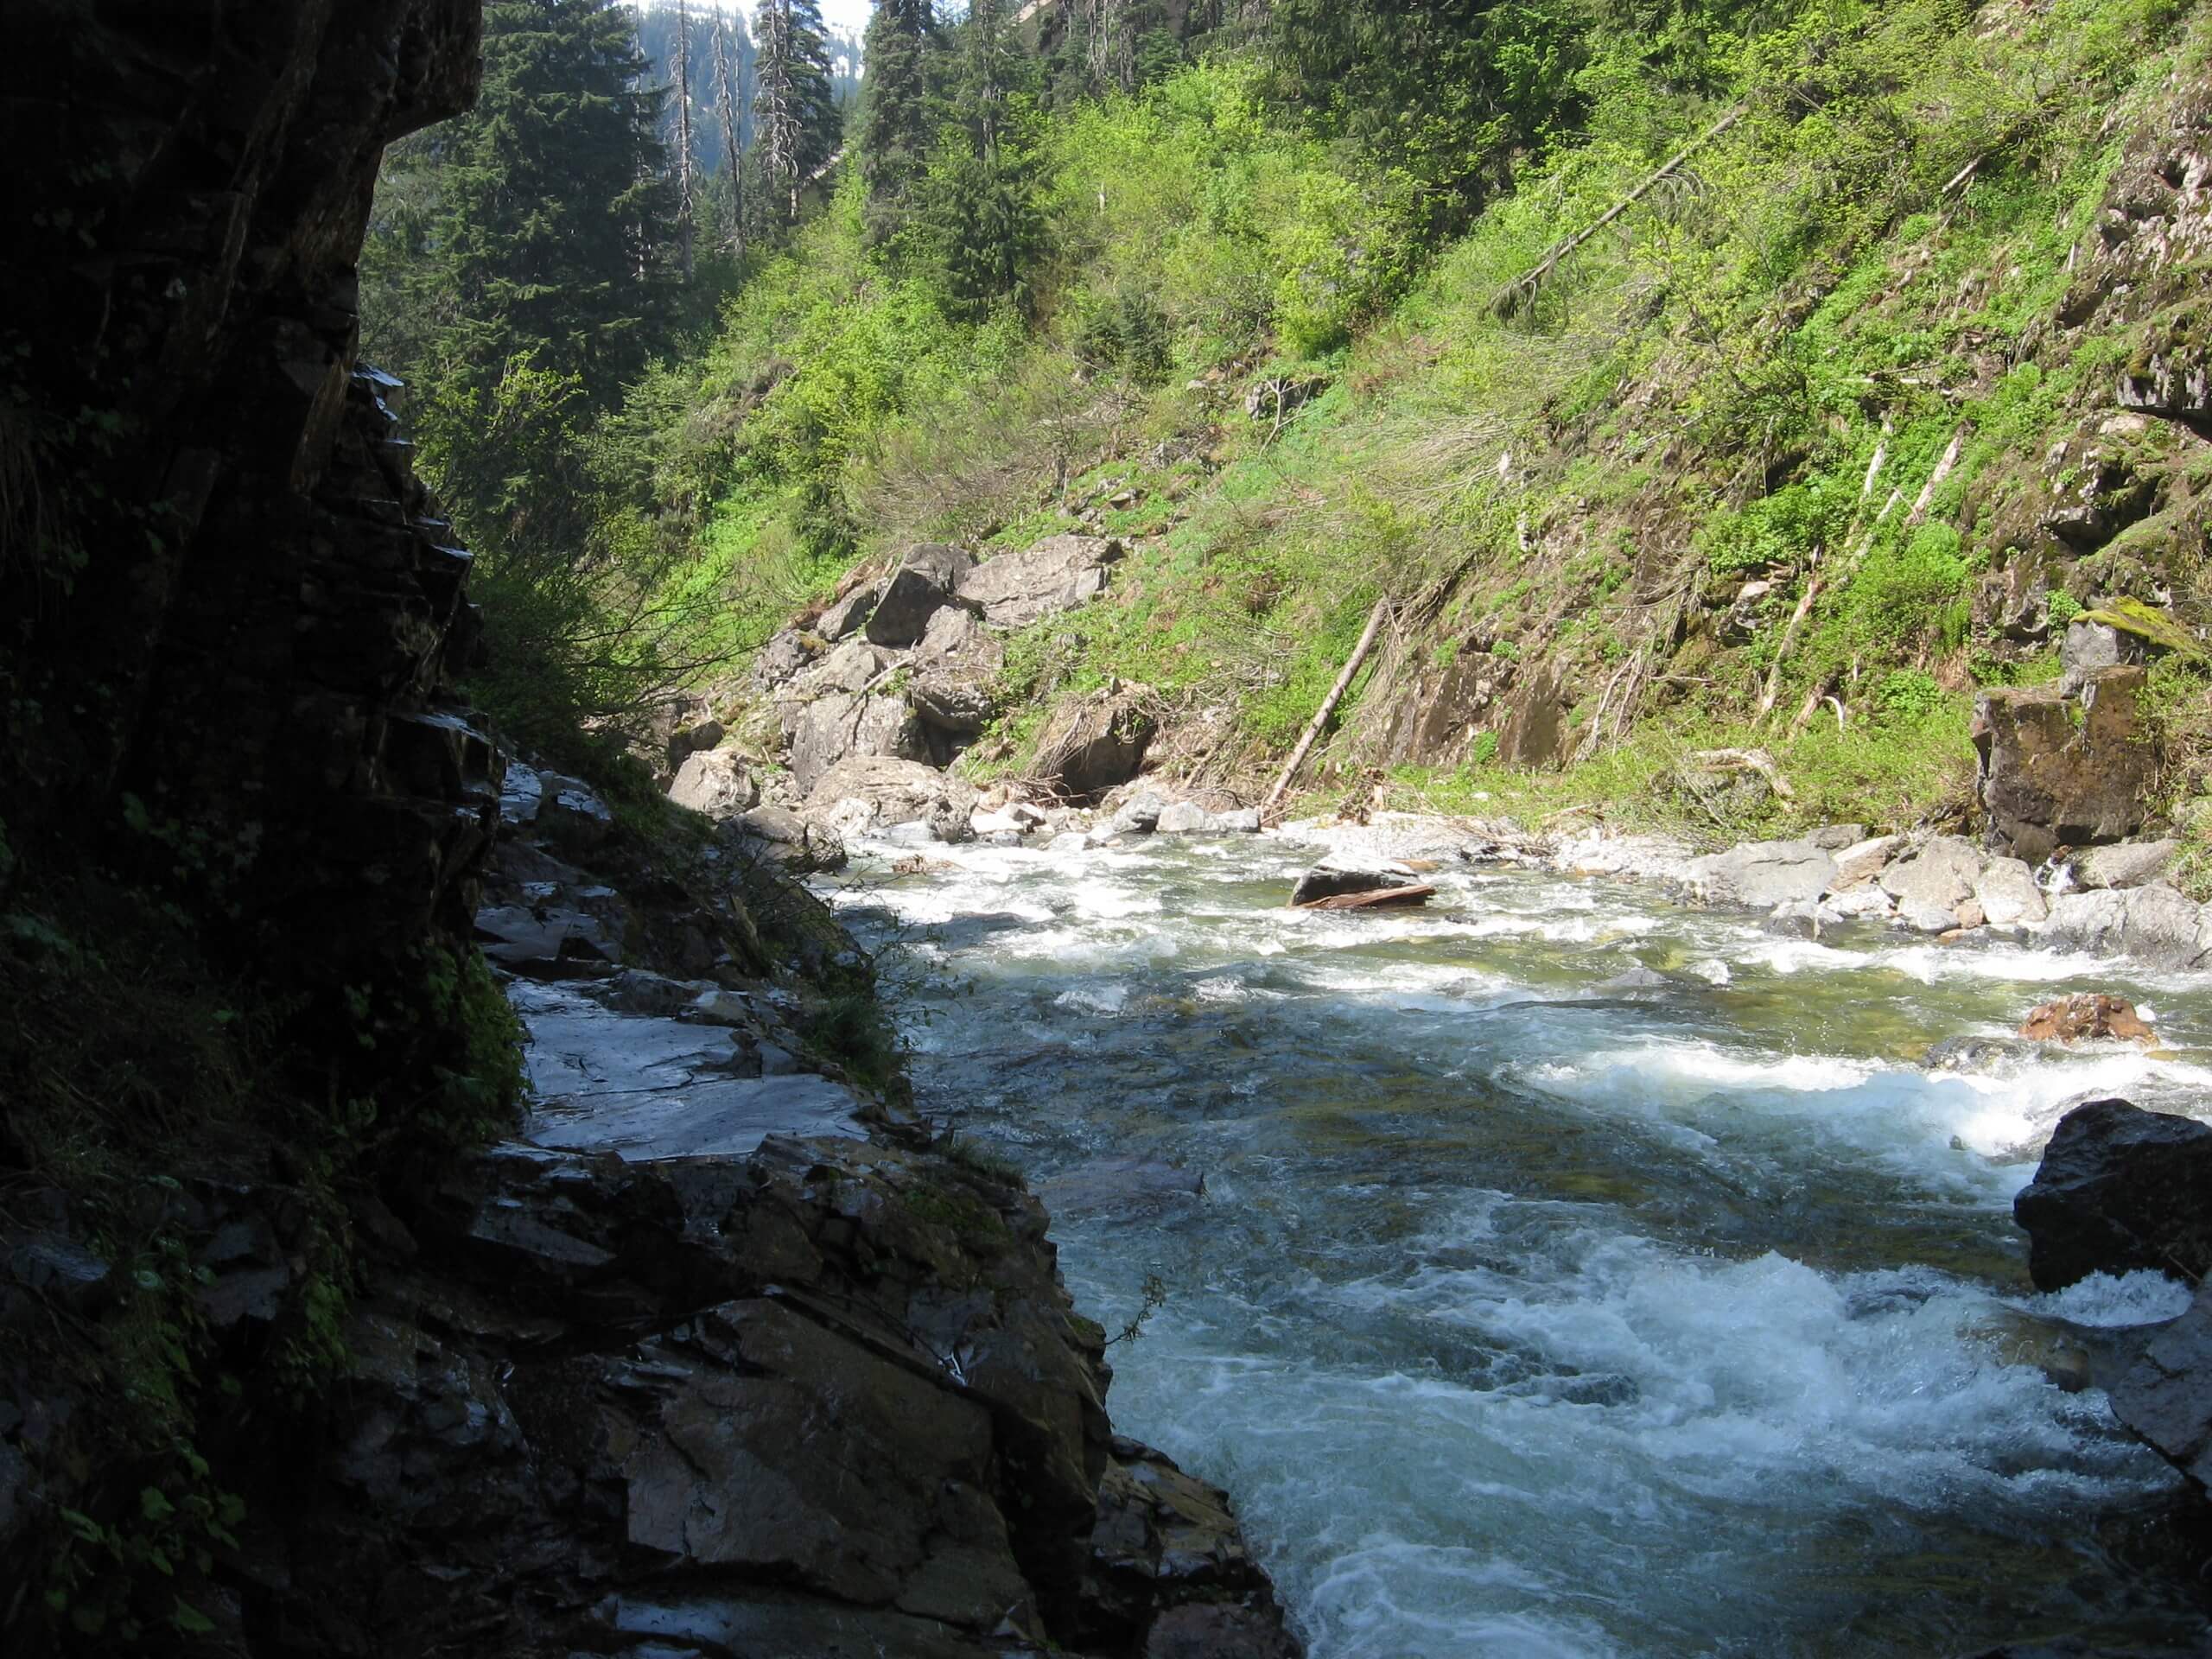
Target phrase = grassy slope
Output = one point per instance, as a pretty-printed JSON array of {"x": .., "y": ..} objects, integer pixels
[{"x": 1694, "y": 399}]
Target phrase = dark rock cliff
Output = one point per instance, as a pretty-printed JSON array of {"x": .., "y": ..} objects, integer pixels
[{"x": 222, "y": 593}]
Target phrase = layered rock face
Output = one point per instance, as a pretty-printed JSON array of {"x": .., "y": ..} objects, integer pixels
[{"x": 239, "y": 608}]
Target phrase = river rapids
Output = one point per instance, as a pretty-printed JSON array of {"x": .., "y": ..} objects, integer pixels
[{"x": 1573, "y": 1273}]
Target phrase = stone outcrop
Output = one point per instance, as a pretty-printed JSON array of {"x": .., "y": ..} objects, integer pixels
[
  {"x": 1092, "y": 746},
  {"x": 926, "y": 581},
  {"x": 2056, "y": 771},
  {"x": 2119, "y": 1189},
  {"x": 1012, "y": 590}
]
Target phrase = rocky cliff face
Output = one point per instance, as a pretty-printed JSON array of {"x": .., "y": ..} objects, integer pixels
[{"x": 227, "y": 595}]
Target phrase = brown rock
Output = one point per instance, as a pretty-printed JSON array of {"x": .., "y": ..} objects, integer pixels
[
  {"x": 2055, "y": 772},
  {"x": 2086, "y": 1015}
]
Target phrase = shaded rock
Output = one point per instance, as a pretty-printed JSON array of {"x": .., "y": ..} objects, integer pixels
[
  {"x": 924, "y": 584},
  {"x": 2129, "y": 864},
  {"x": 1056, "y": 574},
  {"x": 1763, "y": 873},
  {"x": 2059, "y": 773},
  {"x": 957, "y": 704},
  {"x": 522, "y": 796},
  {"x": 716, "y": 783},
  {"x": 1931, "y": 884},
  {"x": 546, "y": 942},
  {"x": 571, "y": 815},
  {"x": 2085, "y": 1014},
  {"x": 2118, "y": 1189},
  {"x": 1088, "y": 747},
  {"x": 1862, "y": 861},
  {"x": 1535, "y": 731},
  {"x": 778, "y": 833},
  {"x": 1324, "y": 882},
  {"x": 848, "y": 615},
  {"x": 2008, "y": 895},
  {"x": 2165, "y": 1396},
  {"x": 871, "y": 792}
]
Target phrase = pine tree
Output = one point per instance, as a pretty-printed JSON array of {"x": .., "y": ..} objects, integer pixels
[
  {"x": 984, "y": 204},
  {"x": 555, "y": 214},
  {"x": 795, "y": 109},
  {"x": 894, "y": 132}
]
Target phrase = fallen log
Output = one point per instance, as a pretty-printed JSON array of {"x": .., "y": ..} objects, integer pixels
[{"x": 1413, "y": 895}]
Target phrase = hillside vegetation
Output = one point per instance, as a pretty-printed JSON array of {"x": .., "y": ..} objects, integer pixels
[{"x": 1840, "y": 419}]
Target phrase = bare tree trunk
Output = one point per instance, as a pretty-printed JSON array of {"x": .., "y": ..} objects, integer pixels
[
  {"x": 684, "y": 136},
  {"x": 1328, "y": 706},
  {"x": 732, "y": 153}
]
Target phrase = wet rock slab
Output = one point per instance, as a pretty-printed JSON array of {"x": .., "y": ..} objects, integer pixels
[{"x": 643, "y": 1087}]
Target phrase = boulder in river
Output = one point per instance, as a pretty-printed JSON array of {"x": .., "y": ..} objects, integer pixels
[
  {"x": 2154, "y": 924},
  {"x": 1763, "y": 874},
  {"x": 867, "y": 793},
  {"x": 2085, "y": 1014},
  {"x": 1931, "y": 885},
  {"x": 1326, "y": 881},
  {"x": 2166, "y": 1395},
  {"x": 2129, "y": 864},
  {"x": 2119, "y": 1189},
  {"x": 2007, "y": 892}
]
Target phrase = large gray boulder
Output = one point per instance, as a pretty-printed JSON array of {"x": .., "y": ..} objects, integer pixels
[
  {"x": 1058, "y": 574},
  {"x": 865, "y": 794},
  {"x": 2129, "y": 864},
  {"x": 1763, "y": 874},
  {"x": 1931, "y": 885},
  {"x": 924, "y": 582},
  {"x": 716, "y": 782},
  {"x": 2155, "y": 924},
  {"x": 837, "y": 727},
  {"x": 2007, "y": 893}
]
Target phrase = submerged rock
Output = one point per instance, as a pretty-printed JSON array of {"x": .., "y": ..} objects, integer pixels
[{"x": 2118, "y": 1189}]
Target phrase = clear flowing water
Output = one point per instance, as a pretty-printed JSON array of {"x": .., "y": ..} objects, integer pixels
[{"x": 1530, "y": 1311}]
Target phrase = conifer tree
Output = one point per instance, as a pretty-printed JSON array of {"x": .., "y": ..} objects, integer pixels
[
  {"x": 732, "y": 148},
  {"x": 556, "y": 219},
  {"x": 984, "y": 202},
  {"x": 894, "y": 132},
  {"x": 795, "y": 109}
]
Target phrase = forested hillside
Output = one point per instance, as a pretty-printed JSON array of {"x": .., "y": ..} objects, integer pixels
[{"x": 1705, "y": 378}]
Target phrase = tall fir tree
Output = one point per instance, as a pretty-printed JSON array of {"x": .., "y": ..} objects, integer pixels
[
  {"x": 984, "y": 197},
  {"x": 556, "y": 220},
  {"x": 794, "y": 102},
  {"x": 894, "y": 127}
]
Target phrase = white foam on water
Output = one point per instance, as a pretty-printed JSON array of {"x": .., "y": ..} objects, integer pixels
[{"x": 2139, "y": 1298}]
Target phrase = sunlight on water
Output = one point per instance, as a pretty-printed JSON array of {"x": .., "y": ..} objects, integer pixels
[{"x": 1575, "y": 1274}]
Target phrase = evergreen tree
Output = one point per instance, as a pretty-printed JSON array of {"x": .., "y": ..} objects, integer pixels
[
  {"x": 795, "y": 107},
  {"x": 982, "y": 186},
  {"x": 556, "y": 219},
  {"x": 894, "y": 132}
]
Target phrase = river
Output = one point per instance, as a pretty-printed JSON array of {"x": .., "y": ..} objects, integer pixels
[{"x": 1573, "y": 1274}]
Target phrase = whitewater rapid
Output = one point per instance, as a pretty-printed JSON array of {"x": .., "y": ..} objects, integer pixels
[{"x": 1573, "y": 1273}]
